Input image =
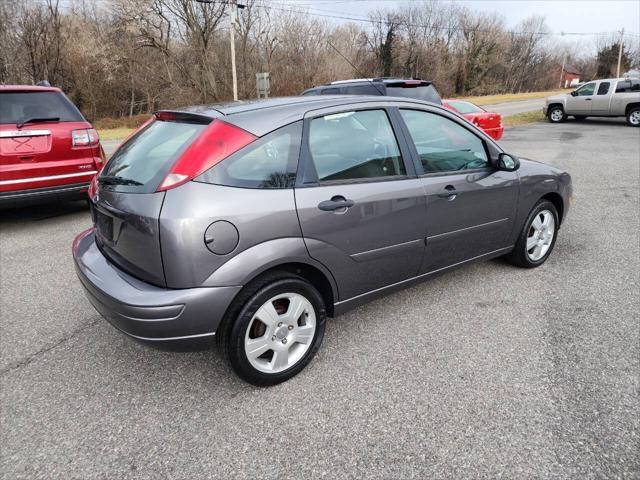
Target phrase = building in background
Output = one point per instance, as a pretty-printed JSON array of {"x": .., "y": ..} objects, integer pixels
[{"x": 570, "y": 76}]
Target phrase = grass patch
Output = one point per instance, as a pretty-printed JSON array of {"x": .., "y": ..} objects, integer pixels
[
  {"x": 511, "y": 97},
  {"x": 114, "y": 133},
  {"x": 523, "y": 118}
]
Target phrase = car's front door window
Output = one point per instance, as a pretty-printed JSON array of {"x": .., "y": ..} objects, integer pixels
[
  {"x": 586, "y": 90},
  {"x": 442, "y": 144}
]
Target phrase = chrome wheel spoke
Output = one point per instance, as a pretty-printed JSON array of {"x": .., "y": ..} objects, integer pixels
[
  {"x": 546, "y": 220},
  {"x": 537, "y": 223},
  {"x": 531, "y": 242},
  {"x": 280, "y": 359},
  {"x": 267, "y": 314},
  {"x": 296, "y": 308},
  {"x": 257, "y": 347},
  {"x": 305, "y": 334}
]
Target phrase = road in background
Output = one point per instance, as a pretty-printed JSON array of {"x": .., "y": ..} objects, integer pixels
[{"x": 489, "y": 371}]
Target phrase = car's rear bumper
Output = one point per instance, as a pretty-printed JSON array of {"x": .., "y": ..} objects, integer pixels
[
  {"x": 34, "y": 195},
  {"x": 495, "y": 133},
  {"x": 167, "y": 318}
]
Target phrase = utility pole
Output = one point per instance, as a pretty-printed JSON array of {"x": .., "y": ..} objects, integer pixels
[
  {"x": 564, "y": 60},
  {"x": 233, "y": 14},
  {"x": 620, "y": 44}
]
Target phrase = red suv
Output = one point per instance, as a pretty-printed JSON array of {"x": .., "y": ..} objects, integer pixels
[{"x": 48, "y": 150}]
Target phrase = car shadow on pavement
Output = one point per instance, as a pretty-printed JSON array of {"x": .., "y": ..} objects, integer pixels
[{"x": 42, "y": 211}]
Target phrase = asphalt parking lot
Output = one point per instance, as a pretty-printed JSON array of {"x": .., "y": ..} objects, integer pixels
[{"x": 490, "y": 371}]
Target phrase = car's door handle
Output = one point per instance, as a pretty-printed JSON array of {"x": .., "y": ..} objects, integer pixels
[
  {"x": 449, "y": 192},
  {"x": 588, "y": 99},
  {"x": 336, "y": 203}
]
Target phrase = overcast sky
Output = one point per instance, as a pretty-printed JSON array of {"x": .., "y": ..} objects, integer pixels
[{"x": 561, "y": 15}]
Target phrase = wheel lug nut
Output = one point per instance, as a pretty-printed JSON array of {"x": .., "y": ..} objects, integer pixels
[
  {"x": 280, "y": 324},
  {"x": 290, "y": 327},
  {"x": 284, "y": 340},
  {"x": 273, "y": 339}
]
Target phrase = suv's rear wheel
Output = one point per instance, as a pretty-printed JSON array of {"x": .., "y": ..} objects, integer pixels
[
  {"x": 273, "y": 329},
  {"x": 556, "y": 114},
  {"x": 633, "y": 117}
]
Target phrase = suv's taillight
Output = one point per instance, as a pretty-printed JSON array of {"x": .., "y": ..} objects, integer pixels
[
  {"x": 84, "y": 138},
  {"x": 217, "y": 142}
]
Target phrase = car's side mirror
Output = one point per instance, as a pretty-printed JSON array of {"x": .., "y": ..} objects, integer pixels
[
  {"x": 508, "y": 163},
  {"x": 574, "y": 93}
]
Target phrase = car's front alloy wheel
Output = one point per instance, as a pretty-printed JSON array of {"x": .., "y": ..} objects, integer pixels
[
  {"x": 538, "y": 236},
  {"x": 633, "y": 117}
]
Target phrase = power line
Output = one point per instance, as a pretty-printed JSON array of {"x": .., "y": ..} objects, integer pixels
[{"x": 379, "y": 22}]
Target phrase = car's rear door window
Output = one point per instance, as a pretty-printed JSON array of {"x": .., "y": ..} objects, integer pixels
[
  {"x": 442, "y": 144},
  {"x": 270, "y": 162},
  {"x": 355, "y": 145},
  {"x": 19, "y": 107},
  {"x": 147, "y": 157}
]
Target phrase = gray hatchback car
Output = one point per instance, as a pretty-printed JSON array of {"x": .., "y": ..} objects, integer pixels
[{"x": 254, "y": 222}]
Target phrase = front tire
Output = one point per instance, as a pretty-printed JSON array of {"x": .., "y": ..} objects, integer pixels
[
  {"x": 538, "y": 236},
  {"x": 273, "y": 328},
  {"x": 556, "y": 114},
  {"x": 633, "y": 117}
]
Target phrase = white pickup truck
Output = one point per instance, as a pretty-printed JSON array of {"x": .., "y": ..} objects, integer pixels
[{"x": 611, "y": 97}]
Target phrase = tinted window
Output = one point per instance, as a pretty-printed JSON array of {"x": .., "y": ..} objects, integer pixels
[
  {"x": 624, "y": 86},
  {"x": 354, "y": 145},
  {"x": 269, "y": 162},
  {"x": 148, "y": 156},
  {"x": 442, "y": 144},
  {"x": 368, "y": 89},
  {"x": 310, "y": 92},
  {"x": 20, "y": 106},
  {"x": 424, "y": 92},
  {"x": 586, "y": 90},
  {"x": 635, "y": 85},
  {"x": 464, "y": 107},
  {"x": 603, "y": 89},
  {"x": 330, "y": 91}
]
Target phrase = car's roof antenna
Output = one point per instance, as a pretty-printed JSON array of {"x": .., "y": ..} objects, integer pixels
[{"x": 355, "y": 68}]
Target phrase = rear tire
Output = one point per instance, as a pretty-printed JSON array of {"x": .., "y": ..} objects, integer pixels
[
  {"x": 537, "y": 238},
  {"x": 633, "y": 117},
  {"x": 260, "y": 338},
  {"x": 556, "y": 114}
]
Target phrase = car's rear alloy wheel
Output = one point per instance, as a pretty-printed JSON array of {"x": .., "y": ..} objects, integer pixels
[
  {"x": 556, "y": 115},
  {"x": 633, "y": 118},
  {"x": 280, "y": 333},
  {"x": 273, "y": 329},
  {"x": 538, "y": 236}
]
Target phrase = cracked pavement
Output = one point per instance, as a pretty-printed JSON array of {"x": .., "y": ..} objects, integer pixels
[{"x": 489, "y": 371}]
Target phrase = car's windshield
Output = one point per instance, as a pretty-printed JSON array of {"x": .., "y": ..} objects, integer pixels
[{"x": 18, "y": 107}]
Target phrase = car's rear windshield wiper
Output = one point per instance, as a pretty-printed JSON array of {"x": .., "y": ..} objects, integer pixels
[
  {"x": 37, "y": 120},
  {"x": 115, "y": 180}
]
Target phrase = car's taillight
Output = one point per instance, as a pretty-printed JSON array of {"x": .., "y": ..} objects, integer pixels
[
  {"x": 85, "y": 137},
  {"x": 215, "y": 143}
]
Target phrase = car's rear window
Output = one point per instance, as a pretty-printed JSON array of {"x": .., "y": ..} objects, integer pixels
[
  {"x": 464, "y": 107},
  {"x": 18, "y": 107},
  {"x": 147, "y": 157},
  {"x": 426, "y": 93}
]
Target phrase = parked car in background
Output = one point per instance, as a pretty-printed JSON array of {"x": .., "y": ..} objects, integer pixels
[
  {"x": 610, "y": 97},
  {"x": 490, "y": 122},
  {"x": 48, "y": 150},
  {"x": 228, "y": 221},
  {"x": 393, "y": 87}
]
